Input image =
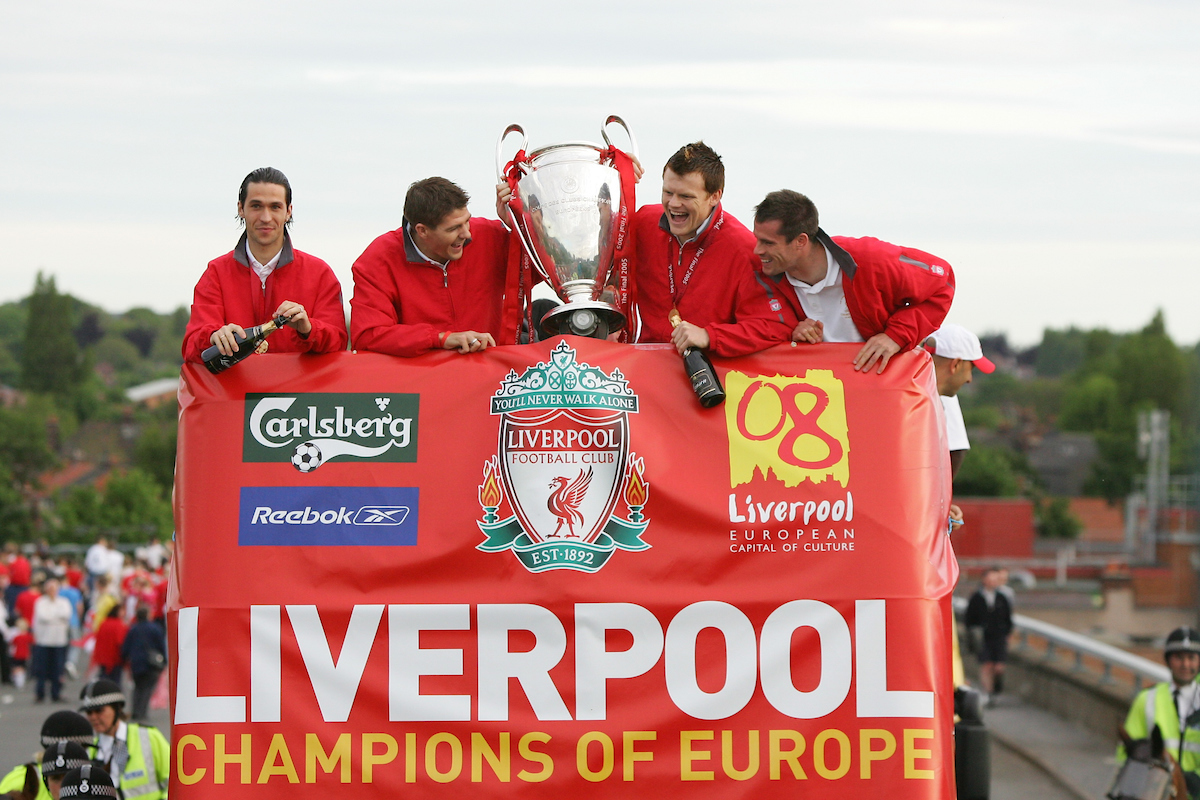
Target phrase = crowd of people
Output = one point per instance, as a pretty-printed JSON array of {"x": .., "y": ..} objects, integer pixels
[{"x": 102, "y": 618}]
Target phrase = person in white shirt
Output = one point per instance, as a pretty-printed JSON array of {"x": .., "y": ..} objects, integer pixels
[
  {"x": 152, "y": 554},
  {"x": 51, "y": 636},
  {"x": 6, "y": 635},
  {"x": 956, "y": 352},
  {"x": 116, "y": 566},
  {"x": 96, "y": 561}
]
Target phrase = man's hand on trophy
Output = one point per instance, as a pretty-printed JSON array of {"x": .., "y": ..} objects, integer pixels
[
  {"x": 468, "y": 341},
  {"x": 688, "y": 335},
  {"x": 503, "y": 195},
  {"x": 638, "y": 172}
]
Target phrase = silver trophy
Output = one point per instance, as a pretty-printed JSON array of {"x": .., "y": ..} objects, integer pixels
[{"x": 570, "y": 201}]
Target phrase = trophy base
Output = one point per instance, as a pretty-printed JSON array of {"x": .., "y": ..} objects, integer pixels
[{"x": 591, "y": 319}]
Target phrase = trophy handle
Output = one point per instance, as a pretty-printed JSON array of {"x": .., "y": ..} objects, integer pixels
[
  {"x": 604, "y": 132},
  {"x": 500, "y": 162}
]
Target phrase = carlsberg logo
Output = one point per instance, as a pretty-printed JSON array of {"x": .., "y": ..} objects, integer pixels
[{"x": 311, "y": 429}]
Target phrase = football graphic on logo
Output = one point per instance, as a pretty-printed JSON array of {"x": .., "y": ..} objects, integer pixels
[{"x": 307, "y": 457}]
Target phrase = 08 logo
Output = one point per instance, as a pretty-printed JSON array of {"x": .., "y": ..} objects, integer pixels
[{"x": 792, "y": 426}]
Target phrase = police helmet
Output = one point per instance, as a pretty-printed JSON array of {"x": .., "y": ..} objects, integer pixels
[
  {"x": 100, "y": 693},
  {"x": 66, "y": 726},
  {"x": 1183, "y": 640}
]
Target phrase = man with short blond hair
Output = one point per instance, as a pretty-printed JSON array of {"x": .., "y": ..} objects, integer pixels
[{"x": 697, "y": 259}]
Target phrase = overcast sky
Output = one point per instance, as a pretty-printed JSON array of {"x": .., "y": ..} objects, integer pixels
[{"x": 1049, "y": 150}]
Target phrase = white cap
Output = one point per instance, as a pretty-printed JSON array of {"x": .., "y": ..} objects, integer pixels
[{"x": 955, "y": 341}]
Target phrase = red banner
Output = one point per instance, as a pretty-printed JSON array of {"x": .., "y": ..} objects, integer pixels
[{"x": 546, "y": 569}]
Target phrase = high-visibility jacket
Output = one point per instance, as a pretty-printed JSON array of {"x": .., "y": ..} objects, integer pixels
[
  {"x": 15, "y": 781},
  {"x": 1156, "y": 706},
  {"x": 142, "y": 777}
]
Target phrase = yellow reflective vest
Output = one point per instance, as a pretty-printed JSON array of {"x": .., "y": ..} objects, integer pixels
[
  {"x": 1156, "y": 706},
  {"x": 15, "y": 782},
  {"x": 147, "y": 771}
]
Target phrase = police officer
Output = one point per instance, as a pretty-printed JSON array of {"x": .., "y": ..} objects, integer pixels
[
  {"x": 60, "y": 759},
  {"x": 1165, "y": 704},
  {"x": 26, "y": 780},
  {"x": 137, "y": 755},
  {"x": 87, "y": 782}
]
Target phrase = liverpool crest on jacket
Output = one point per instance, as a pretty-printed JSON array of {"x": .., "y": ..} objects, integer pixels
[{"x": 564, "y": 470}]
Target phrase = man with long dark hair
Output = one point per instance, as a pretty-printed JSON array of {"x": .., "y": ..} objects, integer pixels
[{"x": 265, "y": 277}]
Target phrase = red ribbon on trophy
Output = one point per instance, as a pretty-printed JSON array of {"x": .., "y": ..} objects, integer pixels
[
  {"x": 625, "y": 251},
  {"x": 518, "y": 282}
]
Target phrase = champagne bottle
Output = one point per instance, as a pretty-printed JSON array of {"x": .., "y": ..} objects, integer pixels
[
  {"x": 218, "y": 363},
  {"x": 705, "y": 382}
]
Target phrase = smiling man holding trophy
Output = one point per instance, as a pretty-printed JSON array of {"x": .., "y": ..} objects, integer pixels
[
  {"x": 694, "y": 258},
  {"x": 682, "y": 272}
]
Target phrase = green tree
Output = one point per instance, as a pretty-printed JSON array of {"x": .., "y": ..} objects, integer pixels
[
  {"x": 24, "y": 455},
  {"x": 132, "y": 508},
  {"x": 136, "y": 502},
  {"x": 1112, "y": 473},
  {"x": 1060, "y": 352},
  {"x": 16, "y": 517},
  {"x": 1150, "y": 370},
  {"x": 1092, "y": 404},
  {"x": 1122, "y": 376},
  {"x": 24, "y": 448},
  {"x": 80, "y": 512},
  {"x": 154, "y": 452},
  {"x": 50, "y": 357},
  {"x": 990, "y": 472},
  {"x": 1055, "y": 520},
  {"x": 12, "y": 333}
]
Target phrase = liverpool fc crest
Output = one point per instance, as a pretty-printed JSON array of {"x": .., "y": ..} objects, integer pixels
[{"x": 563, "y": 468}]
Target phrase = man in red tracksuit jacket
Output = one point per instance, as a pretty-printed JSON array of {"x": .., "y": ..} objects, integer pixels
[
  {"x": 850, "y": 290},
  {"x": 437, "y": 282},
  {"x": 264, "y": 277},
  {"x": 693, "y": 256}
]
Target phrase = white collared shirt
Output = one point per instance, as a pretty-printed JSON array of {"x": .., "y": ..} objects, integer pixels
[
  {"x": 1189, "y": 700},
  {"x": 956, "y": 426},
  {"x": 825, "y": 300},
  {"x": 262, "y": 270},
  {"x": 104, "y": 742}
]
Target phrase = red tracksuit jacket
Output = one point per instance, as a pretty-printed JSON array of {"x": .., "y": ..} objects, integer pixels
[
  {"x": 402, "y": 302},
  {"x": 230, "y": 291},
  {"x": 890, "y": 289},
  {"x": 726, "y": 294}
]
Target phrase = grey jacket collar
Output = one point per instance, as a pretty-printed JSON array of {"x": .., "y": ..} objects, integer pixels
[
  {"x": 412, "y": 254},
  {"x": 286, "y": 256}
]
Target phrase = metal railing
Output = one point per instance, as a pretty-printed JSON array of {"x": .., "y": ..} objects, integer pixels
[{"x": 1083, "y": 653}]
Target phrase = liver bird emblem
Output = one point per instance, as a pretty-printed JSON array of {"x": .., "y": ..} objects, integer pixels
[{"x": 565, "y": 499}]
